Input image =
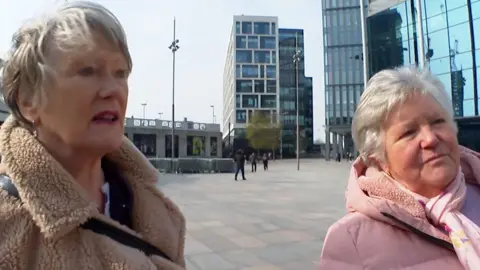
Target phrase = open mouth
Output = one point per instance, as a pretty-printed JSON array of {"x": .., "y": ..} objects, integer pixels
[{"x": 105, "y": 117}]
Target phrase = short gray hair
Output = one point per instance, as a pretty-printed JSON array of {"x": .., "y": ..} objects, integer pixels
[
  {"x": 384, "y": 91},
  {"x": 71, "y": 29}
]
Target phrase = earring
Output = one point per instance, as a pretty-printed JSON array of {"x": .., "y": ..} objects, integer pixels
[{"x": 34, "y": 129}]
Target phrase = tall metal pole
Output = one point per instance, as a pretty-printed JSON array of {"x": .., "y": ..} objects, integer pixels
[
  {"x": 213, "y": 113},
  {"x": 280, "y": 119},
  {"x": 174, "y": 47},
  {"x": 296, "y": 59},
  {"x": 363, "y": 25},
  {"x": 229, "y": 142},
  {"x": 420, "y": 38},
  {"x": 144, "y": 105}
]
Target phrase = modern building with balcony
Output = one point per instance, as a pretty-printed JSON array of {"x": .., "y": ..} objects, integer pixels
[
  {"x": 451, "y": 42},
  {"x": 343, "y": 65},
  {"x": 251, "y": 76},
  {"x": 291, "y": 41}
]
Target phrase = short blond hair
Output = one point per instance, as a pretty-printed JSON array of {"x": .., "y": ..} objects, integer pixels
[
  {"x": 384, "y": 91},
  {"x": 70, "y": 28}
]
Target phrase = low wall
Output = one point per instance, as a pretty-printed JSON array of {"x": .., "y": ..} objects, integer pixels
[{"x": 193, "y": 165}]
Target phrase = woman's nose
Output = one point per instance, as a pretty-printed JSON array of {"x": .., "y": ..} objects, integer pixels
[
  {"x": 428, "y": 137},
  {"x": 111, "y": 86}
]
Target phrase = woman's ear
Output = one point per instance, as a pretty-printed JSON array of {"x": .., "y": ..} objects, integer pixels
[
  {"x": 27, "y": 107},
  {"x": 379, "y": 163}
]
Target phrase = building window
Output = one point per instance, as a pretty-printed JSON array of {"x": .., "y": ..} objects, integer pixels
[
  {"x": 274, "y": 28},
  {"x": 262, "y": 71},
  {"x": 238, "y": 71},
  {"x": 267, "y": 43},
  {"x": 146, "y": 143},
  {"x": 213, "y": 146},
  {"x": 241, "y": 42},
  {"x": 246, "y": 27},
  {"x": 252, "y": 42},
  {"x": 238, "y": 100},
  {"x": 241, "y": 116},
  {"x": 250, "y": 101},
  {"x": 250, "y": 71},
  {"x": 262, "y": 57},
  {"x": 195, "y": 146},
  {"x": 271, "y": 71},
  {"x": 243, "y": 56},
  {"x": 261, "y": 28},
  {"x": 259, "y": 86},
  {"x": 244, "y": 86},
  {"x": 274, "y": 57},
  {"x": 268, "y": 101},
  {"x": 271, "y": 86},
  {"x": 237, "y": 27}
]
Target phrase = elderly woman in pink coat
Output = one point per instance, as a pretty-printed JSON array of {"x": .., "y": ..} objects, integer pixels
[{"x": 413, "y": 195}]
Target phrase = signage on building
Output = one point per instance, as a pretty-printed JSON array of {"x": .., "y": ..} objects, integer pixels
[
  {"x": 164, "y": 124},
  {"x": 169, "y": 124}
]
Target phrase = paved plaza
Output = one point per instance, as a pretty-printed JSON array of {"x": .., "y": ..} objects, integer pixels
[{"x": 274, "y": 220}]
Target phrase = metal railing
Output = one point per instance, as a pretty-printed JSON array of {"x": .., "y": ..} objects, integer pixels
[{"x": 193, "y": 165}]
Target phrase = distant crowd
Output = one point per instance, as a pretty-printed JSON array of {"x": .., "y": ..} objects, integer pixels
[{"x": 241, "y": 158}]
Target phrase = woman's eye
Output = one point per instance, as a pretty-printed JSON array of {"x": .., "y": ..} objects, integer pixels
[
  {"x": 407, "y": 133},
  {"x": 122, "y": 73},
  {"x": 439, "y": 121},
  {"x": 86, "y": 71}
]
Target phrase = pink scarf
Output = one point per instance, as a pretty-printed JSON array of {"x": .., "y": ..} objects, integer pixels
[{"x": 444, "y": 210}]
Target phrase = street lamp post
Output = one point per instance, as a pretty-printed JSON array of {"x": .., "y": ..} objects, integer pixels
[
  {"x": 144, "y": 105},
  {"x": 213, "y": 113},
  {"x": 174, "y": 48},
  {"x": 365, "y": 57},
  {"x": 280, "y": 121},
  {"x": 296, "y": 60}
]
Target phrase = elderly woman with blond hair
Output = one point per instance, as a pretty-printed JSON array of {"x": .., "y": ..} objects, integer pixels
[
  {"x": 413, "y": 195},
  {"x": 77, "y": 194}
]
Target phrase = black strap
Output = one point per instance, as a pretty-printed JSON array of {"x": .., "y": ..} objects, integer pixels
[
  {"x": 98, "y": 226},
  {"x": 122, "y": 237}
]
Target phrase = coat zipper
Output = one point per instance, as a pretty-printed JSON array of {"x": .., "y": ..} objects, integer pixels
[{"x": 426, "y": 237}]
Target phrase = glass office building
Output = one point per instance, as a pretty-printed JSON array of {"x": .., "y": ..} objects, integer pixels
[
  {"x": 343, "y": 71},
  {"x": 451, "y": 37},
  {"x": 289, "y": 41},
  {"x": 250, "y": 76}
]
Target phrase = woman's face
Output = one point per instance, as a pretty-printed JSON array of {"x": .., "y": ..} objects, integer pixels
[
  {"x": 86, "y": 100},
  {"x": 421, "y": 146}
]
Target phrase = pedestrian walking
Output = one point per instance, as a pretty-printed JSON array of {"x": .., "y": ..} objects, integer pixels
[
  {"x": 240, "y": 162},
  {"x": 265, "y": 162},
  {"x": 253, "y": 160}
]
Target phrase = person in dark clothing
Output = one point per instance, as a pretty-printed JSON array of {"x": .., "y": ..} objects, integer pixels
[
  {"x": 265, "y": 162},
  {"x": 240, "y": 161},
  {"x": 253, "y": 160}
]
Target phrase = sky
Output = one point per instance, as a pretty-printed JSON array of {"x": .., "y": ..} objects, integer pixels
[{"x": 203, "y": 28}]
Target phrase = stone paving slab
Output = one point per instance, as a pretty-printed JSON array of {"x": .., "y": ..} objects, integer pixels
[{"x": 276, "y": 220}]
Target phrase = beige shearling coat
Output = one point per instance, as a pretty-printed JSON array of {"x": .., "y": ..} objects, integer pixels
[{"x": 42, "y": 230}]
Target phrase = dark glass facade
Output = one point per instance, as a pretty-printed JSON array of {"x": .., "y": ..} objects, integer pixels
[
  {"x": 343, "y": 71},
  {"x": 288, "y": 94},
  {"x": 451, "y": 31}
]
